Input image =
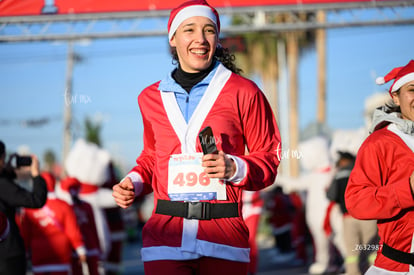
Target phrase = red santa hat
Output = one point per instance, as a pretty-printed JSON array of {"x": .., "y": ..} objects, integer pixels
[
  {"x": 50, "y": 181},
  {"x": 190, "y": 9},
  {"x": 70, "y": 183},
  {"x": 401, "y": 76}
]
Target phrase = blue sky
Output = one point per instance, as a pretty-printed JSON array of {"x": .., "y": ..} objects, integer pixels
[{"x": 114, "y": 71}]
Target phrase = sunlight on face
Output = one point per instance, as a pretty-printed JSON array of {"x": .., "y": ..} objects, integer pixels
[
  {"x": 195, "y": 41},
  {"x": 405, "y": 99}
]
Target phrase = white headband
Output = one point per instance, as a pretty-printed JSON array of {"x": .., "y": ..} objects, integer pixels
[
  {"x": 403, "y": 80},
  {"x": 191, "y": 11}
]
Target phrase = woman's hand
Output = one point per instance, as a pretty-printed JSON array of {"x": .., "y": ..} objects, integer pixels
[
  {"x": 218, "y": 166},
  {"x": 124, "y": 193}
]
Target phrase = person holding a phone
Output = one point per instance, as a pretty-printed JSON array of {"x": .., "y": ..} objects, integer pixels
[
  {"x": 197, "y": 226},
  {"x": 12, "y": 196}
]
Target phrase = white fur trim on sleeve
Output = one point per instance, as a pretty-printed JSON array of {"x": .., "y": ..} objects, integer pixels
[
  {"x": 240, "y": 170},
  {"x": 137, "y": 182},
  {"x": 81, "y": 250}
]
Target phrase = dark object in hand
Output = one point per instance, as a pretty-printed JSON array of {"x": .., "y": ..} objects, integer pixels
[
  {"x": 207, "y": 141},
  {"x": 23, "y": 161}
]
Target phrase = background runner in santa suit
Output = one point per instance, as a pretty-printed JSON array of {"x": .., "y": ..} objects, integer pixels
[
  {"x": 51, "y": 234},
  {"x": 252, "y": 211},
  {"x": 208, "y": 237},
  {"x": 381, "y": 184},
  {"x": 87, "y": 226}
]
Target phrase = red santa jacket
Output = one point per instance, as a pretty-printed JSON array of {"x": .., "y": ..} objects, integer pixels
[
  {"x": 379, "y": 189},
  {"x": 51, "y": 233},
  {"x": 281, "y": 211},
  {"x": 86, "y": 222},
  {"x": 83, "y": 210},
  {"x": 241, "y": 117}
]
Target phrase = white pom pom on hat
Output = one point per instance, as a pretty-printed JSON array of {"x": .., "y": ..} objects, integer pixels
[
  {"x": 380, "y": 80},
  {"x": 401, "y": 76}
]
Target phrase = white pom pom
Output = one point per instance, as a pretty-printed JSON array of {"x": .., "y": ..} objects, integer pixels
[{"x": 380, "y": 80}]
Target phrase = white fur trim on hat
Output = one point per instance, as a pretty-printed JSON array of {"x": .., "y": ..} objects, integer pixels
[
  {"x": 403, "y": 80},
  {"x": 191, "y": 11},
  {"x": 380, "y": 80}
]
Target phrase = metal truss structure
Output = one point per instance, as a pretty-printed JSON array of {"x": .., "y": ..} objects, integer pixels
[{"x": 69, "y": 27}]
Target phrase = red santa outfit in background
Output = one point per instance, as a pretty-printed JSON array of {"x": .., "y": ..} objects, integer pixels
[
  {"x": 116, "y": 224},
  {"x": 90, "y": 165},
  {"x": 51, "y": 234},
  {"x": 299, "y": 229},
  {"x": 315, "y": 178},
  {"x": 379, "y": 187},
  {"x": 281, "y": 212},
  {"x": 86, "y": 222},
  {"x": 252, "y": 210}
]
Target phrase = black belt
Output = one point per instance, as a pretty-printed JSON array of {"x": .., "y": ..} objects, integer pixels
[
  {"x": 397, "y": 255},
  {"x": 197, "y": 210}
]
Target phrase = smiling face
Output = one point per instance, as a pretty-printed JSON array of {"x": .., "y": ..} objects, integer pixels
[
  {"x": 405, "y": 99},
  {"x": 195, "y": 41}
]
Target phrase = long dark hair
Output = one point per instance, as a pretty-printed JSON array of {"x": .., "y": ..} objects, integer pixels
[
  {"x": 391, "y": 107},
  {"x": 221, "y": 54}
]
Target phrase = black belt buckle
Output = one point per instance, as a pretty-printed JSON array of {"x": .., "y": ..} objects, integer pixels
[{"x": 198, "y": 210}]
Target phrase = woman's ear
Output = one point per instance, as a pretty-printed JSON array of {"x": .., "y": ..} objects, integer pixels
[
  {"x": 395, "y": 98},
  {"x": 172, "y": 41}
]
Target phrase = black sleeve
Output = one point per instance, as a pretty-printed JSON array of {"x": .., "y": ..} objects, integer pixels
[
  {"x": 332, "y": 192},
  {"x": 16, "y": 196}
]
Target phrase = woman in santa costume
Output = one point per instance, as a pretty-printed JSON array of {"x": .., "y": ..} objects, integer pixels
[
  {"x": 381, "y": 185},
  {"x": 197, "y": 226}
]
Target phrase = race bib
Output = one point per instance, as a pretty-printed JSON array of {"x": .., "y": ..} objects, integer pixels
[{"x": 188, "y": 182}]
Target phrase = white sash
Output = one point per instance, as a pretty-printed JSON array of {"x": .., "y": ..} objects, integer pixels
[{"x": 188, "y": 134}]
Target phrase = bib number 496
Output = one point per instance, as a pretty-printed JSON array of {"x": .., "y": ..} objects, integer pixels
[{"x": 191, "y": 179}]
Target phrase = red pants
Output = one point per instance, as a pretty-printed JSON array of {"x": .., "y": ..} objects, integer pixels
[{"x": 201, "y": 266}]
